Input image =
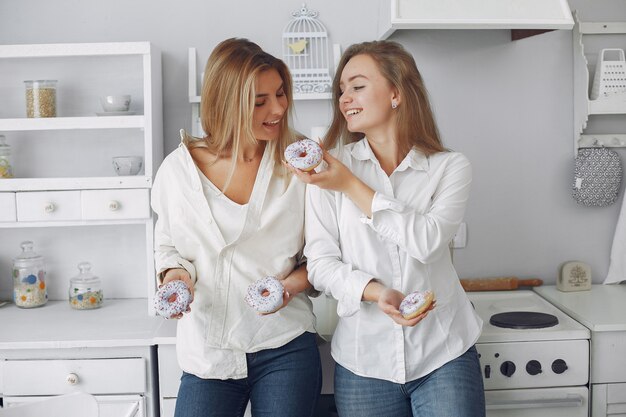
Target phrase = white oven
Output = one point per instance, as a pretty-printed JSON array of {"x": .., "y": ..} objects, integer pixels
[{"x": 534, "y": 358}]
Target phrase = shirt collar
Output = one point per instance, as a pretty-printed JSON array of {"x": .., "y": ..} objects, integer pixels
[{"x": 415, "y": 159}]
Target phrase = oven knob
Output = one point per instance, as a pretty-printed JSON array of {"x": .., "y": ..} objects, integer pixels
[
  {"x": 487, "y": 371},
  {"x": 533, "y": 367},
  {"x": 507, "y": 368},
  {"x": 559, "y": 366}
]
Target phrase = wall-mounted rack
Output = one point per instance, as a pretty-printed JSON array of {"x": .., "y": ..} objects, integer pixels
[{"x": 584, "y": 106}]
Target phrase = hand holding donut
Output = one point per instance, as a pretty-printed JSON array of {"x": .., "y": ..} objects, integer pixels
[
  {"x": 336, "y": 176},
  {"x": 171, "y": 300},
  {"x": 415, "y": 308}
]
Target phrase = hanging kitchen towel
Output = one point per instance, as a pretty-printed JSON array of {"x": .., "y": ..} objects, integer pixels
[
  {"x": 597, "y": 177},
  {"x": 617, "y": 265}
]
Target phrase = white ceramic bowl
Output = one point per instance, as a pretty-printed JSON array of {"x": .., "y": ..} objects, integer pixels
[
  {"x": 127, "y": 165},
  {"x": 115, "y": 103}
]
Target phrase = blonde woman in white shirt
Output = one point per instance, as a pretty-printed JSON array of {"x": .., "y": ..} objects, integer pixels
[
  {"x": 229, "y": 214},
  {"x": 378, "y": 224}
]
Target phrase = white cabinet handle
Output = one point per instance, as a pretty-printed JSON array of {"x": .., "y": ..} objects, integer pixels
[
  {"x": 114, "y": 205},
  {"x": 49, "y": 207},
  {"x": 72, "y": 379}
]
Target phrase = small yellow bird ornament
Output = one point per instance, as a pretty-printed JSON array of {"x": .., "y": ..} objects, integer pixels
[{"x": 298, "y": 47}]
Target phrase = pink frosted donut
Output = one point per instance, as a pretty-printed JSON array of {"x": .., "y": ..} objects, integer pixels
[
  {"x": 416, "y": 303},
  {"x": 304, "y": 154},
  {"x": 265, "y": 295},
  {"x": 171, "y": 299}
]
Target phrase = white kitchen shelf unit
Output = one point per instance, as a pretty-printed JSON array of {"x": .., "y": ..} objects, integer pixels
[
  {"x": 584, "y": 107},
  {"x": 64, "y": 175}
]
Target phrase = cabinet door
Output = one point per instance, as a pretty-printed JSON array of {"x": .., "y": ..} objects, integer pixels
[
  {"x": 115, "y": 204},
  {"x": 169, "y": 371},
  {"x": 48, "y": 205},
  {"x": 7, "y": 207}
]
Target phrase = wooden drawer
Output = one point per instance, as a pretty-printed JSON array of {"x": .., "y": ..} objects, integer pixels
[
  {"x": 54, "y": 377},
  {"x": 169, "y": 371},
  {"x": 7, "y": 207},
  {"x": 48, "y": 205},
  {"x": 115, "y": 204}
]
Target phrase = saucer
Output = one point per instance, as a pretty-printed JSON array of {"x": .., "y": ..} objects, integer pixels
[{"x": 116, "y": 113}]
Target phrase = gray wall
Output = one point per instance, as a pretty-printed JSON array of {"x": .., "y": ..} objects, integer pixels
[{"x": 506, "y": 105}]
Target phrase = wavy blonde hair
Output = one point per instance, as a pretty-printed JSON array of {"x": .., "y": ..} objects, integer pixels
[
  {"x": 416, "y": 125},
  {"x": 228, "y": 97}
]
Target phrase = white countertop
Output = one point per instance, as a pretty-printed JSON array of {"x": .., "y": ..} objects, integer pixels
[
  {"x": 121, "y": 322},
  {"x": 601, "y": 309}
]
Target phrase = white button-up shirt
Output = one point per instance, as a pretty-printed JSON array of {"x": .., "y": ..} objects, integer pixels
[
  {"x": 415, "y": 213},
  {"x": 221, "y": 328}
]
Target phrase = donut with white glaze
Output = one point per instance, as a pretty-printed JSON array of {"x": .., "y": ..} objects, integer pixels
[
  {"x": 172, "y": 298},
  {"x": 304, "y": 154},
  {"x": 265, "y": 295},
  {"x": 416, "y": 303}
]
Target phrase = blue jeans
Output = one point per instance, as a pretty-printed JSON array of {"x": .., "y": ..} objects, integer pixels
[
  {"x": 454, "y": 390},
  {"x": 281, "y": 382}
]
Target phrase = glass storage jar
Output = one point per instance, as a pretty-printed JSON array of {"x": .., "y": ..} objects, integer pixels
[
  {"x": 85, "y": 289},
  {"x": 29, "y": 278},
  {"x": 5, "y": 162},
  {"x": 41, "y": 98}
]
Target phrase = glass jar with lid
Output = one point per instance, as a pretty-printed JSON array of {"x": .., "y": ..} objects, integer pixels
[
  {"x": 5, "y": 162},
  {"x": 29, "y": 278},
  {"x": 41, "y": 98},
  {"x": 85, "y": 289}
]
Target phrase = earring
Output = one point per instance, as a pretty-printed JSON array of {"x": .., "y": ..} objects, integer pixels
[{"x": 394, "y": 104}]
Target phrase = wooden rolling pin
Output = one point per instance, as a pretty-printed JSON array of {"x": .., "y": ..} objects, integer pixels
[{"x": 498, "y": 284}]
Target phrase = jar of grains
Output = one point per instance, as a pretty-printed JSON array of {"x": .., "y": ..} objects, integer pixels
[
  {"x": 41, "y": 98},
  {"x": 29, "y": 278},
  {"x": 85, "y": 289},
  {"x": 5, "y": 162}
]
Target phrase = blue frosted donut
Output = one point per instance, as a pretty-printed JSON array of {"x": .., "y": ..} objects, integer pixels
[
  {"x": 172, "y": 298},
  {"x": 304, "y": 154},
  {"x": 265, "y": 295}
]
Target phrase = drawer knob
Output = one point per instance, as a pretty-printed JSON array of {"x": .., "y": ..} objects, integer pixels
[
  {"x": 114, "y": 205},
  {"x": 49, "y": 207},
  {"x": 72, "y": 379}
]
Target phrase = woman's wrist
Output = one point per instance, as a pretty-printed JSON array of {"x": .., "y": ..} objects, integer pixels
[{"x": 372, "y": 291}]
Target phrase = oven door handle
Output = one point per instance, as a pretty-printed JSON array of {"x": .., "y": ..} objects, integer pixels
[{"x": 572, "y": 400}]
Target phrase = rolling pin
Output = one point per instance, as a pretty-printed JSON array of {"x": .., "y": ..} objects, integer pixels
[{"x": 498, "y": 284}]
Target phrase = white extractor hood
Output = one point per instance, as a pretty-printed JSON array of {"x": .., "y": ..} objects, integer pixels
[{"x": 473, "y": 14}]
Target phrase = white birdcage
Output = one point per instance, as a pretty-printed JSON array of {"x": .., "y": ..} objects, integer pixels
[{"x": 306, "y": 53}]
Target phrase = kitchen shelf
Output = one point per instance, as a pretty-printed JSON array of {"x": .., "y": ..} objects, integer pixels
[
  {"x": 584, "y": 107},
  {"x": 64, "y": 167},
  {"x": 70, "y": 123}
]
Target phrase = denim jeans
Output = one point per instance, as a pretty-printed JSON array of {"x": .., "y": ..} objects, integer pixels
[
  {"x": 281, "y": 382},
  {"x": 454, "y": 390}
]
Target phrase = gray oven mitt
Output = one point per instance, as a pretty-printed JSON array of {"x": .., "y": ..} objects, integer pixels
[{"x": 597, "y": 177}]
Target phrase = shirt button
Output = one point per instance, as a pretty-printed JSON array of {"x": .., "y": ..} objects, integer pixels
[{"x": 210, "y": 220}]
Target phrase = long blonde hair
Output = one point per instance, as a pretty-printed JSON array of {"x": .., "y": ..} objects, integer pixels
[
  {"x": 228, "y": 97},
  {"x": 416, "y": 125}
]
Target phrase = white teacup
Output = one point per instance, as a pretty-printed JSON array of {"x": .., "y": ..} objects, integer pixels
[
  {"x": 115, "y": 103},
  {"x": 127, "y": 165}
]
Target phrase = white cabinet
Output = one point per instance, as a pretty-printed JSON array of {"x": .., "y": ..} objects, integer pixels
[{"x": 589, "y": 38}]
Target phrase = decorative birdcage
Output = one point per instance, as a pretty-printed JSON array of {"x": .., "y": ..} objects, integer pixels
[{"x": 306, "y": 53}]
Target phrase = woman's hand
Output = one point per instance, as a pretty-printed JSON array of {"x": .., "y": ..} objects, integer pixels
[
  {"x": 294, "y": 284},
  {"x": 181, "y": 274},
  {"x": 389, "y": 302},
  {"x": 337, "y": 177}
]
